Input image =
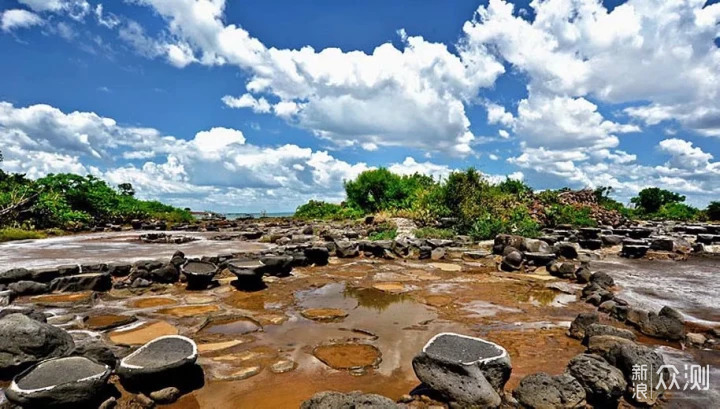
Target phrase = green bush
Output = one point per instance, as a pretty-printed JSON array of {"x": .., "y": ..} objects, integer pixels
[
  {"x": 317, "y": 209},
  {"x": 577, "y": 216},
  {"x": 515, "y": 221},
  {"x": 380, "y": 189},
  {"x": 434, "y": 233},
  {"x": 677, "y": 211},
  {"x": 713, "y": 211},
  {"x": 385, "y": 233}
]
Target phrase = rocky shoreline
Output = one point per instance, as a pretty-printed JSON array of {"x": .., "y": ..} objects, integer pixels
[{"x": 600, "y": 377}]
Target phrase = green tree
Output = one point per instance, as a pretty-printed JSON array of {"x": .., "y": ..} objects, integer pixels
[
  {"x": 380, "y": 189},
  {"x": 126, "y": 189},
  {"x": 713, "y": 210},
  {"x": 650, "y": 200}
]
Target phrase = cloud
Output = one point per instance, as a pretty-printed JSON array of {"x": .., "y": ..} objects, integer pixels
[
  {"x": 410, "y": 166},
  {"x": 414, "y": 96},
  {"x": 16, "y": 18},
  {"x": 215, "y": 167},
  {"x": 248, "y": 101},
  {"x": 108, "y": 20}
]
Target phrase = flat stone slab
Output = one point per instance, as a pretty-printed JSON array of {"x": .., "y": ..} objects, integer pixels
[
  {"x": 462, "y": 349},
  {"x": 158, "y": 359},
  {"x": 60, "y": 382},
  {"x": 324, "y": 314}
]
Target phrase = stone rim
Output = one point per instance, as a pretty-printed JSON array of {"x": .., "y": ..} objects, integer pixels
[
  {"x": 26, "y": 392},
  {"x": 192, "y": 357},
  {"x": 503, "y": 351}
]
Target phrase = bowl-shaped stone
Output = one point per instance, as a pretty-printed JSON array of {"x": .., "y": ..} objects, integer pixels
[
  {"x": 161, "y": 357},
  {"x": 67, "y": 382}
]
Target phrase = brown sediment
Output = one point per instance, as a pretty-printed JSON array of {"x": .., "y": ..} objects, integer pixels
[
  {"x": 348, "y": 356},
  {"x": 218, "y": 346},
  {"x": 63, "y": 299},
  {"x": 153, "y": 302},
  {"x": 189, "y": 310},
  {"x": 230, "y": 326},
  {"x": 324, "y": 314},
  {"x": 390, "y": 287},
  {"x": 103, "y": 322},
  {"x": 143, "y": 334}
]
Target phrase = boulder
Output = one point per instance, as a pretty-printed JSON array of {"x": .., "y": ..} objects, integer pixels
[
  {"x": 672, "y": 244},
  {"x": 563, "y": 269},
  {"x": 159, "y": 363},
  {"x": 592, "y": 244},
  {"x": 581, "y": 323},
  {"x": 277, "y": 265},
  {"x": 28, "y": 288},
  {"x": 634, "y": 250},
  {"x": 512, "y": 261},
  {"x": 668, "y": 324},
  {"x": 626, "y": 357},
  {"x": 68, "y": 270},
  {"x": 603, "y": 383},
  {"x": 15, "y": 274},
  {"x": 67, "y": 382},
  {"x": 199, "y": 274},
  {"x": 601, "y": 329},
  {"x": 6, "y": 297},
  {"x": 582, "y": 275},
  {"x": 82, "y": 282},
  {"x": 346, "y": 249},
  {"x": 542, "y": 391},
  {"x": 25, "y": 341},
  {"x": 466, "y": 370},
  {"x": 352, "y": 400},
  {"x": 167, "y": 274},
  {"x": 507, "y": 240},
  {"x": 535, "y": 246},
  {"x": 119, "y": 269},
  {"x": 566, "y": 249},
  {"x": 540, "y": 259},
  {"x": 45, "y": 275},
  {"x": 602, "y": 279},
  {"x": 317, "y": 255},
  {"x": 602, "y": 344},
  {"x": 612, "y": 239}
]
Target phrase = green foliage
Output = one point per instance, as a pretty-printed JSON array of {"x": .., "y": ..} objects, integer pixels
[
  {"x": 515, "y": 187},
  {"x": 385, "y": 231},
  {"x": 10, "y": 234},
  {"x": 677, "y": 211},
  {"x": 67, "y": 200},
  {"x": 317, "y": 209},
  {"x": 380, "y": 189},
  {"x": 516, "y": 221},
  {"x": 713, "y": 211},
  {"x": 577, "y": 216},
  {"x": 434, "y": 233},
  {"x": 650, "y": 200}
]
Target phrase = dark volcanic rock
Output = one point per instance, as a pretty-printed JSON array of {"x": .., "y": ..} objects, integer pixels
[
  {"x": 347, "y": 249},
  {"x": 352, "y": 400},
  {"x": 668, "y": 324},
  {"x": 466, "y": 370},
  {"x": 158, "y": 363},
  {"x": 119, "y": 269},
  {"x": 28, "y": 288},
  {"x": 68, "y": 382},
  {"x": 581, "y": 323},
  {"x": 317, "y": 255},
  {"x": 603, "y": 383},
  {"x": 602, "y": 279},
  {"x": 626, "y": 357},
  {"x": 600, "y": 329},
  {"x": 542, "y": 391},
  {"x": 167, "y": 274},
  {"x": 249, "y": 273},
  {"x": 512, "y": 261},
  {"x": 24, "y": 341},
  {"x": 566, "y": 249},
  {"x": 82, "y": 282},
  {"x": 277, "y": 265},
  {"x": 15, "y": 274}
]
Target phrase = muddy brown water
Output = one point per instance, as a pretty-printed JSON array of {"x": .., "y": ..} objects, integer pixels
[{"x": 258, "y": 350}]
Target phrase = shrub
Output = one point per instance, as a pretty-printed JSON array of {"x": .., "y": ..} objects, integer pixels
[
  {"x": 577, "y": 216},
  {"x": 317, "y": 209},
  {"x": 380, "y": 189},
  {"x": 677, "y": 211},
  {"x": 713, "y": 211}
]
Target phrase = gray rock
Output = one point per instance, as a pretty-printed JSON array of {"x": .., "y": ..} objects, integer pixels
[
  {"x": 542, "y": 391},
  {"x": 28, "y": 288},
  {"x": 6, "y": 297},
  {"x": 317, "y": 255},
  {"x": 82, "y": 282},
  {"x": 166, "y": 395},
  {"x": 603, "y": 383},
  {"x": 582, "y": 275},
  {"x": 600, "y": 329},
  {"x": 15, "y": 274},
  {"x": 672, "y": 244},
  {"x": 159, "y": 361},
  {"x": 466, "y": 370},
  {"x": 248, "y": 272},
  {"x": 119, "y": 269},
  {"x": 277, "y": 265},
  {"x": 68, "y": 382},
  {"x": 666, "y": 325},
  {"x": 627, "y": 356},
  {"x": 612, "y": 239},
  {"x": 512, "y": 261},
  {"x": 563, "y": 269},
  {"x": 602, "y": 344},
  {"x": 347, "y": 249},
  {"x": 199, "y": 274},
  {"x": 602, "y": 279},
  {"x": 535, "y": 246},
  {"x": 352, "y": 400},
  {"x": 566, "y": 249},
  {"x": 167, "y": 274},
  {"x": 45, "y": 275},
  {"x": 25, "y": 341},
  {"x": 581, "y": 323}
]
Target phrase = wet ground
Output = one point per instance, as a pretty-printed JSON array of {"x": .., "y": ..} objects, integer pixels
[{"x": 353, "y": 325}]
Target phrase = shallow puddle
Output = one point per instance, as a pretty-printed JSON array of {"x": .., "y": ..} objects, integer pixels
[
  {"x": 142, "y": 334},
  {"x": 231, "y": 326},
  {"x": 348, "y": 356},
  {"x": 189, "y": 310}
]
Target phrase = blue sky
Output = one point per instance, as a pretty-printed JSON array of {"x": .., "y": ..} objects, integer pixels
[{"x": 249, "y": 106}]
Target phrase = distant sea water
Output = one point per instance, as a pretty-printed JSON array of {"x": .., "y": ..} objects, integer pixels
[{"x": 232, "y": 216}]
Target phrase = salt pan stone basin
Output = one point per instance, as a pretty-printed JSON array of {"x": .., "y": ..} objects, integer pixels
[
  {"x": 158, "y": 358},
  {"x": 467, "y": 370},
  {"x": 248, "y": 272},
  {"x": 199, "y": 273},
  {"x": 60, "y": 383}
]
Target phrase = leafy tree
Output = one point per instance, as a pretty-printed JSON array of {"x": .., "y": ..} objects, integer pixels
[
  {"x": 677, "y": 211},
  {"x": 126, "y": 189},
  {"x": 713, "y": 210},
  {"x": 650, "y": 200},
  {"x": 380, "y": 189}
]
